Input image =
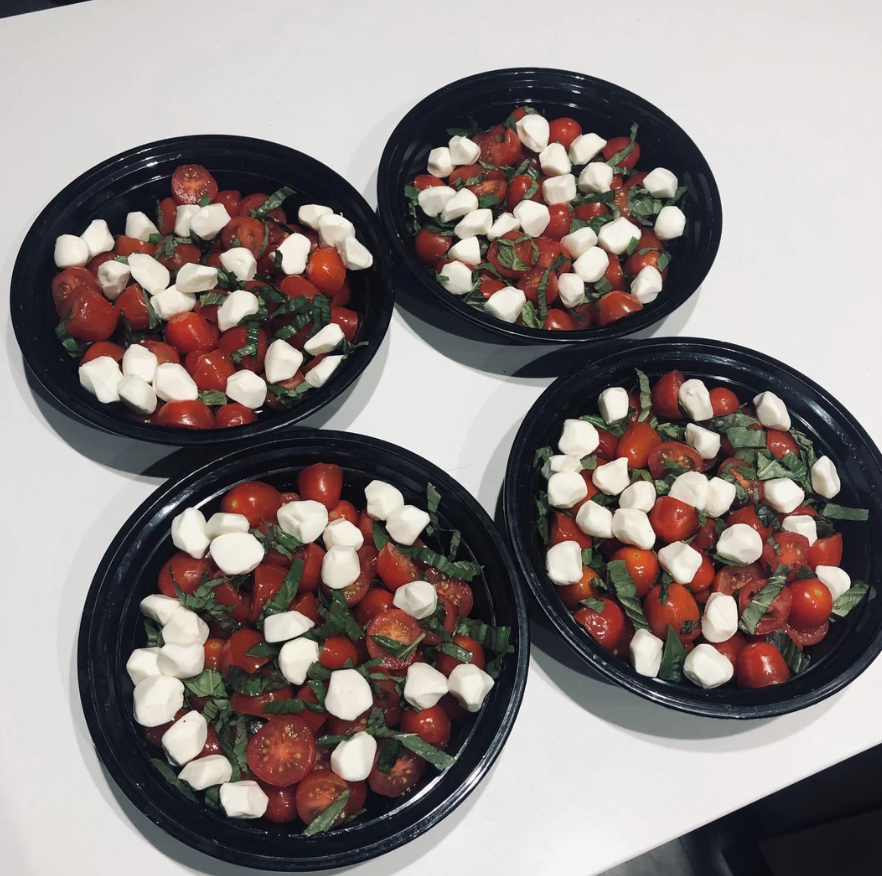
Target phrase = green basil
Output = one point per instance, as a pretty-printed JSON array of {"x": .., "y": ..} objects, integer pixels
[
  {"x": 262, "y": 649},
  {"x": 380, "y": 535},
  {"x": 252, "y": 337},
  {"x": 400, "y": 650},
  {"x": 625, "y": 151},
  {"x": 681, "y": 190},
  {"x": 622, "y": 585},
  {"x": 597, "y": 605},
  {"x": 673, "y": 658},
  {"x": 852, "y": 597},
  {"x": 459, "y": 569},
  {"x": 457, "y": 652},
  {"x": 252, "y": 685},
  {"x": 541, "y": 456},
  {"x": 171, "y": 777},
  {"x": 840, "y": 512},
  {"x": 212, "y": 397},
  {"x": 273, "y": 202},
  {"x": 390, "y": 751},
  {"x": 286, "y": 593},
  {"x": 753, "y": 614},
  {"x": 645, "y": 396},
  {"x": 328, "y": 818},
  {"x": 209, "y": 683},
  {"x": 529, "y": 317},
  {"x": 793, "y": 657},
  {"x": 154, "y": 635},
  {"x": 742, "y": 437}
]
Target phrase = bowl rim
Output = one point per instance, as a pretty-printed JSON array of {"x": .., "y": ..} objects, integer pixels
[
  {"x": 111, "y": 422},
  {"x": 388, "y": 202},
  {"x": 161, "y": 501},
  {"x": 580, "y": 641}
]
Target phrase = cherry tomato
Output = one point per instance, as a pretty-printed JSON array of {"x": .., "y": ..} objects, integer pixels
[
  {"x": 431, "y": 245},
  {"x": 235, "y": 652},
  {"x": 636, "y": 444},
  {"x": 572, "y": 595},
  {"x": 190, "y": 332},
  {"x": 748, "y": 516},
  {"x": 642, "y": 567},
  {"x": 326, "y": 270},
  {"x": 731, "y": 579},
  {"x": 451, "y": 615},
  {"x": 88, "y": 315},
  {"x": 395, "y": 570},
  {"x": 312, "y": 556},
  {"x": 281, "y": 805},
  {"x": 458, "y": 592},
  {"x": 518, "y": 188},
  {"x": 185, "y": 415},
  {"x": 666, "y": 395},
  {"x": 812, "y": 604},
  {"x": 182, "y": 254},
  {"x": 192, "y": 182},
  {"x": 792, "y": 551},
  {"x": 590, "y": 211},
  {"x": 723, "y": 401},
  {"x": 348, "y": 320},
  {"x": 780, "y": 443},
  {"x": 233, "y": 414},
  {"x": 614, "y": 305},
  {"x": 282, "y": 752},
  {"x": 825, "y": 552},
  {"x": 405, "y": 773},
  {"x": 426, "y": 180},
  {"x": 376, "y": 600},
  {"x": 125, "y": 246},
  {"x": 559, "y": 224},
  {"x": 563, "y": 528},
  {"x": 432, "y": 725},
  {"x": 704, "y": 577},
  {"x": 314, "y": 720},
  {"x": 320, "y": 788},
  {"x": 806, "y": 638},
  {"x": 775, "y": 616},
  {"x": 254, "y": 705},
  {"x": 680, "y": 611},
  {"x": 500, "y": 146},
  {"x": 209, "y": 370},
  {"x": 564, "y": 130},
  {"x": 183, "y": 570},
  {"x": 558, "y": 321},
  {"x": 676, "y": 453},
  {"x": 162, "y": 351},
  {"x": 605, "y": 627},
  {"x": 245, "y": 231},
  {"x": 734, "y": 467},
  {"x": 255, "y": 500},
  {"x": 673, "y": 520},
  {"x": 103, "y": 348},
  {"x": 213, "y": 648},
  {"x": 68, "y": 280},
  {"x": 168, "y": 213},
  {"x": 760, "y": 664},
  {"x": 523, "y": 250},
  {"x": 446, "y": 664},
  {"x": 235, "y": 339},
  {"x": 267, "y": 582},
  {"x": 616, "y": 145},
  {"x": 393, "y": 624},
  {"x": 731, "y": 648},
  {"x": 336, "y": 650},
  {"x": 529, "y": 285},
  {"x": 308, "y": 605},
  {"x": 321, "y": 482}
]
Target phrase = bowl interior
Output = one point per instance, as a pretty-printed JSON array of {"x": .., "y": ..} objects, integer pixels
[
  {"x": 137, "y": 180},
  {"x": 487, "y": 99},
  {"x": 113, "y": 625},
  {"x": 852, "y": 642}
]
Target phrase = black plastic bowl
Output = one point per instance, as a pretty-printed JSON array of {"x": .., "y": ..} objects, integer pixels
[
  {"x": 599, "y": 106},
  {"x": 112, "y": 626},
  {"x": 135, "y": 180},
  {"x": 851, "y": 645}
]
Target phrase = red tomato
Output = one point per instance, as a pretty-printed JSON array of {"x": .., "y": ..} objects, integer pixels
[
  {"x": 254, "y": 705},
  {"x": 723, "y": 401},
  {"x": 376, "y": 600},
  {"x": 564, "y": 130},
  {"x": 314, "y": 720},
  {"x": 184, "y": 415},
  {"x": 282, "y": 752},
  {"x": 812, "y": 604},
  {"x": 244, "y": 231},
  {"x": 132, "y": 304},
  {"x": 734, "y": 467},
  {"x": 731, "y": 648},
  {"x": 336, "y": 651},
  {"x": 255, "y": 500},
  {"x": 614, "y": 274},
  {"x": 347, "y": 320},
  {"x": 321, "y": 482},
  {"x": 605, "y": 627},
  {"x": 518, "y": 188},
  {"x": 558, "y": 321},
  {"x": 312, "y": 556},
  {"x": 230, "y": 198},
  {"x": 192, "y": 182},
  {"x": 707, "y": 535},
  {"x": 673, "y": 520},
  {"x": 792, "y": 551},
  {"x": 572, "y": 595},
  {"x": 760, "y": 664},
  {"x": 775, "y": 616},
  {"x": 326, "y": 270},
  {"x": 431, "y": 245},
  {"x": 184, "y": 570},
  {"x": 614, "y": 305},
  {"x": 730, "y": 579},
  {"x": 281, "y": 805},
  {"x": 529, "y": 285},
  {"x": 563, "y": 528},
  {"x": 188, "y": 332},
  {"x": 523, "y": 250},
  {"x": 432, "y": 725},
  {"x": 125, "y": 246},
  {"x": 395, "y": 570},
  {"x": 168, "y": 212},
  {"x": 559, "y": 224},
  {"x": 393, "y": 624},
  {"x": 676, "y": 453},
  {"x": 318, "y": 790},
  {"x": 235, "y": 339},
  {"x": 88, "y": 315},
  {"x": 780, "y": 443},
  {"x": 213, "y": 648},
  {"x": 405, "y": 773},
  {"x": 642, "y": 567},
  {"x": 748, "y": 516},
  {"x": 233, "y": 414},
  {"x": 446, "y": 664},
  {"x": 680, "y": 611},
  {"x": 103, "y": 348},
  {"x": 182, "y": 254},
  {"x": 666, "y": 395},
  {"x": 616, "y": 145},
  {"x": 825, "y": 552},
  {"x": 806, "y": 638},
  {"x": 68, "y": 280},
  {"x": 425, "y": 181},
  {"x": 267, "y": 582},
  {"x": 235, "y": 652},
  {"x": 500, "y": 146},
  {"x": 458, "y": 592},
  {"x": 209, "y": 370},
  {"x": 451, "y": 615},
  {"x": 636, "y": 444},
  {"x": 162, "y": 351},
  {"x": 704, "y": 577},
  {"x": 308, "y": 605},
  {"x": 549, "y": 250},
  {"x": 590, "y": 211}
]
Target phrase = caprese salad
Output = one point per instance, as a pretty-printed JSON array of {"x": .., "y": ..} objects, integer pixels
[
  {"x": 537, "y": 223},
  {"x": 214, "y": 309},
  {"x": 693, "y": 533},
  {"x": 302, "y": 652}
]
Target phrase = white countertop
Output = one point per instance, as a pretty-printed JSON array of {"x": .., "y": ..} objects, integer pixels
[{"x": 778, "y": 96}]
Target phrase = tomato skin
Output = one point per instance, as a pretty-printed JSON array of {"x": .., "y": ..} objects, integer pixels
[
  {"x": 615, "y": 305},
  {"x": 431, "y": 725},
  {"x": 235, "y": 338},
  {"x": 394, "y": 624},
  {"x": 558, "y": 321},
  {"x": 233, "y": 414},
  {"x": 209, "y": 370},
  {"x": 748, "y": 516},
  {"x": 230, "y": 198},
  {"x": 183, "y": 254},
  {"x": 673, "y": 451},
  {"x": 806, "y": 638},
  {"x": 825, "y": 552},
  {"x": 63, "y": 285},
  {"x": 616, "y": 145},
  {"x": 426, "y": 180},
  {"x": 636, "y": 444},
  {"x": 730, "y": 579},
  {"x": 458, "y": 592},
  {"x": 564, "y": 130},
  {"x": 605, "y": 627},
  {"x": 723, "y": 401},
  {"x": 430, "y": 246},
  {"x": 590, "y": 211},
  {"x": 281, "y": 806},
  {"x": 125, "y": 246},
  {"x": 316, "y": 792},
  {"x": 731, "y": 648},
  {"x": 192, "y": 182},
  {"x": 336, "y": 650},
  {"x": 267, "y": 582},
  {"x": 518, "y": 188},
  {"x": 394, "y": 569},
  {"x": 89, "y": 316},
  {"x": 680, "y": 608},
  {"x": 245, "y": 230},
  {"x": 812, "y": 604},
  {"x": 256, "y": 500},
  {"x": 282, "y": 752},
  {"x": 254, "y": 705},
  {"x": 325, "y": 270},
  {"x": 185, "y": 570},
  {"x": 321, "y": 482},
  {"x": 563, "y": 528},
  {"x": 673, "y": 520},
  {"x": 500, "y": 146},
  {"x": 191, "y": 332},
  {"x": 572, "y": 594},
  {"x": 451, "y": 615},
  {"x": 376, "y": 601},
  {"x": 760, "y": 664},
  {"x": 703, "y": 578},
  {"x": 707, "y": 536},
  {"x": 348, "y": 320},
  {"x": 103, "y": 348},
  {"x": 780, "y": 443},
  {"x": 446, "y": 664},
  {"x": 131, "y": 304},
  {"x": 642, "y": 566},
  {"x": 559, "y": 225},
  {"x": 213, "y": 648},
  {"x": 184, "y": 415},
  {"x": 162, "y": 351},
  {"x": 523, "y": 250},
  {"x": 666, "y": 395},
  {"x": 314, "y": 720},
  {"x": 529, "y": 285},
  {"x": 775, "y": 616},
  {"x": 405, "y": 773},
  {"x": 312, "y": 556},
  {"x": 792, "y": 552},
  {"x": 235, "y": 652}
]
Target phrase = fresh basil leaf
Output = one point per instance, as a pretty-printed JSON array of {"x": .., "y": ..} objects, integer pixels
[
  {"x": 595, "y": 198},
  {"x": 729, "y": 421},
  {"x": 318, "y": 672},
  {"x": 541, "y": 456},
  {"x": 625, "y": 151},
  {"x": 400, "y": 650},
  {"x": 622, "y": 585},
  {"x": 439, "y": 759},
  {"x": 840, "y": 512},
  {"x": 390, "y": 751},
  {"x": 209, "y": 683},
  {"x": 849, "y": 599},
  {"x": 673, "y": 658},
  {"x": 339, "y": 620},
  {"x": 663, "y": 261},
  {"x": 204, "y": 201},
  {"x": 328, "y": 818},
  {"x": 460, "y": 569},
  {"x": 172, "y": 778},
  {"x": 541, "y": 296},
  {"x": 252, "y": 685},
  {"x": 753, "y": 614},
  {"x": 262, "y": 649},
  {"x": 681, "y": 190},
  {"x": 211, "y": 797},
  {"x": 645, "y": 396},
  {"x": 670, "y": 431},
  {"x": 597, "y": 605},
  {"x": 154, "y": 635},
  {"x": 212, "y": 397},
  {"x": 529, "y": 317},
  {"x": 294, "y": 706},
  {"x": 380, "y": 535},
  {"x": 208, "y": 298},
  {"x": 587, "y": 556},
  {"x": 602, "y": 287},
  {"x": 286, "y": 593},
  {"x": 741, "y": 437},
  {"x": 642, "y": 205},
  {"x": 457, "y": 652},
  {"x": 252, "y": 337},
  {"x": 273, "y": 202},
  {"x": 793, "y": 657}
]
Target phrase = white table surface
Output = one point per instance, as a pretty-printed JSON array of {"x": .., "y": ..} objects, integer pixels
[{"x": 779, "y": 98}]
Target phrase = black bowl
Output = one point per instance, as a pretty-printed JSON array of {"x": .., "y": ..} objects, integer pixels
[
  {"x": 597, "y": 105},
  {"x": 111, "y": 627},
  {"x": 851, "y": 645},
  {"x": 135, "y": 180}
]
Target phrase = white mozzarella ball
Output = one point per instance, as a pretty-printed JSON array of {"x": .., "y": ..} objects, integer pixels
[
  {"x": 506, "y": 304},
  {"x": 771, "y": 411},
  {"x": 660, "y": 183},
  {"x": 533, "y": 131},
  {"x": 340, "y": 567},
  {"x": 646, "y": 653},
  {"x": 641, "y": 495},
  {"x": 533, "y": 217},
  {"x": 113, "y": 276},
  {"x": 295, "y": 657},
  {"x": 595, "y": 177},
  {"x": 565, "y": 489},
  {"x": 680, "y": 560},
  {"x": 825, "y": 478},
  {"x": 559, "y": 189},
  {"x": 243, "y": 799},
  {"x": 181, "y": 661},
  {"x": 239, "y": 261},
  {"x": 188, "y": 532},
  {"x": 139, "y": 226},
  {"x": 469, "y": 686},
  {"x": 571, "y": 288},
  {"x": 157, "y": 698},
  {"x": 282, "y": 361},
  {"x": 237, "y": 553},
  {"x": 98, "y": 238},
  {"x": 349, "y": 694},
  {"x": 140, "y": 362},
  {"x": 405, "y": 524},
  {"x": 594, "y": 520},
  {"x": 382, "y": 499},
  {"x": 353, "y": 759},
  {"x": 172, "y": 382},
  {"x": 433, "y": 199},
  {"x": 467, "y": 250},
  {"x": 247, "y": 388},
  {"x": 342, "y": 532},
  {"x": 286, "y": 625},
  {"x": 355, "y": 255},
  {"x": 631, "y": 526},
  {"x": 783, "y": 494},
  {"x": 554, "y": 161},
  {"x": 802, "y": 524},
  {"x": 740, "y": 543},
  {"x": 463, "y": 150},
  {"x": 613, "y": 404},
  {"x": 309, "y": 214},
  {"x": 184, "y": 627},
  {"x": 707, "y": 443},
  {"x": 695, "y": 399},
  {"x": 142, "y": 663},
  {"x": 616, "y": 236},
  {"x": 203, "y": 772},
  {"x": 440, "y": 164},
  {"x": 691, "y": 487},
  {"x": 101, "y": 377},
  {"x": 170, "y": 302},
  {"x": 579, "y": 241},
  {"x": 504, "y": 223},
  {"x": 563, "y": 561},
  {"x": 159, "y": 608},
  {"x": 720, "y": 496},
  {"x": 670, "y": 223},
  {"x": 322, "y": 373},
  {"x": 474, "y": 223},
  {"x": 207, "y": 221},
  {"x": 591, "y": 265},
  {"x": 457, "y": 278},
  {"x": 707, "y": 667},
  {"x": 305, "y": 519},
  {"x": 326, "y": 339},
  {"x": 71, "y": 251},
  {"x": 464, "y": 201},
  {"x": 183, "y": 215},
  {"x": 236, "y": 306},
  {"x": 560, "y": 462},
  {"x": 294, "y": 251},
  {"x": 720, "y": 619},
  {"x": 647, "y": 284},
  {"x": 613, "y": 477},
  {"x": 585, "y": 147},
  {"x": 418, "y": 598},
  {"x": 835, "y": 579},
  {"x": 579, "y": 438},
  {"x": 424, "y": 686}
]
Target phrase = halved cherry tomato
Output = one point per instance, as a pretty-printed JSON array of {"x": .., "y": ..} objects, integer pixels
[
  {"x": 673, "y": 520},
  {"x": 192, "y": 182},
  {"x": 723, "y": 401},
  {"x": 446, "y": 664},
  {"x": 731, "y": 648},
  {"x": 125, "y": 246},
  {"x": 68, "y": 280},
  {"x": 182, "y": 254},
  {"x": 162, "y": 351},
  {"x": 233, "y": 414},
  {"x": 397, "y": 625},
  {"x": 666, "y": 395},
  {"x": 103, "y": 348},
  {"x": 267, "y": 582},
  {"x": 314, "y": 720},
  {"x": 318, "y": 790},
  {"x": 405, "y": 773},
  {"x": 614, "y": 305},
  {"x": 559, "y": 224},
  {"x": 673, "y": 456},
  {"x": 760, "y": 664},
  {"x": 734, "y": 467},
  {"x": 336, "y": 651},
  {"x": 558, "y": 321},
  {"x": 209, "y": 370},
  {"x": 812, "y": 604},
  {"x": 235, "y": 652},
  {"x": 730, "y": 579},
  {"x": 431, "y": 245},
  {"x": 376, "y": 600},
  {"x": 617, "y": 144},
  {"x": 281, "y": 752},
  {"x": 775, "y": 616},
  {"x": 256, "y": 500},
  {"x": 230, "y": 198},
  {"x": 254, "y": 705},
  {"x": 448, "y": 623},
  {"x": 530, "y": 281},
  {"x": 321, "y": 482},
  {"x": 636, "y": 444},
  {"x": 500, "y": 146},
  {"x": 704, "y": 577},
  {"x": 348, "y": 320},
  {"x": 312, "y": 556},
  {"x": 806, "y": 638},
  {"x": 458, "y": 592},
  {"x": 425, "y": 181},
  {"x": 518, "y": 188},
  {"x": 563, "y": 528},
  {"x": 213, "y": 649},
  {"x": 707, "y": 535},
  {"x": 88, "y": 315},
  {"x": 780, "y": 443},
  {"x": 605, "y": 627},
  {"x": 132, "y": 304},
  {"x": 168, "y": 213},
  {"x": 791, "y": 551},
  {"x": 183, "y": 570},
  {"x": 235, "y": 339},
  {"x": 395, "y": 570},
  {"x": 247, "y": 232},
  {"x": 281, "y": 803},
  {"x": 748, "y": 516},
  {"x": 185, "y": 415},
  {"x": 825, "y": 552}
]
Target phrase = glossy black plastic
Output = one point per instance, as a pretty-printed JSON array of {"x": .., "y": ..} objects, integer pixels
[
  {"x": 598, "y": 106},
  {"x": 136, "y": 180},
  {"x": 851, "y": 645},
  {"x": 112, "y": 626}
]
